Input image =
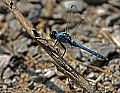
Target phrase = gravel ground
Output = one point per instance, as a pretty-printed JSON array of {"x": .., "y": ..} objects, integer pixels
[{"x": 24, "y": 69}]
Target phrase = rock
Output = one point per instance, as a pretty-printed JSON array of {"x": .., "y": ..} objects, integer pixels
[
  {"x": 22, "y": 8},
  {"x": 116, "y": 35},
  {"x": 116, "y": 4},
  {"x": 17, "y": 73},
  {"x": 114, "y": 66},
  {"x": 15, "y": 25},
  {"x": 106, "y": 83},
  {"x": 114, "y": 61},
  {"x": 33, "y": 51},
  {"x": 111, "y": 20},
  {"x": 34, "y": 18},
  {"x": 31, "y": 85},
  {"x": 3, "y": 9},
  {"x": 116, "y": 82},
  {"x": 26, "y": 41},
  {"x": 2, "y": 17},
  {"x": 8, "y": 73},
  {"x": 101, "y": 11},
  {"x": 4, "y": 87},
  {"x": 111, "y": 8},
  {"x": 95, "y": 2},
  {"x": 49, "y": 73},
  {"x": 2, "y": 51},
  {"x": 89, "y": 33},
  {"x": 92, "y": 75},
  {"x": 20, "y": 46},
  {"x": 49, "y": 84},
  {"x": 8, "y": 82},
  {"x": 79, "y": 5},
  {"x": 75, "y": 52},
  {"x": 4, "y": 62},
  {"x": 107, "y": 79},
  {"x": 97, "y": 22},
  {"x": 31, "y": 71},
  {"x": 43, "y": 58},
  {"x": 118, "y": 90},
  {"x": 38, "y": 71},
  {"x": 117, "y": 73},
  {"x": 39, "y": 78}
]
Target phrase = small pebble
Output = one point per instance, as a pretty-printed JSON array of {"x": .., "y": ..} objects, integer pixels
[
  {"x": 111, "y": 20},
  {"x": 49, "y": 73},
  {"x": 8, "y": 73},
  {"x": 31, "y": 85}
]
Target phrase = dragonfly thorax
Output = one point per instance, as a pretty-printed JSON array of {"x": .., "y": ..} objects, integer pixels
[{"x": 53, "y": 34}]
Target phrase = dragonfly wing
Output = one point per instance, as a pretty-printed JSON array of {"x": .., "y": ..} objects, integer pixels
[{"x": 74, "y": 23}]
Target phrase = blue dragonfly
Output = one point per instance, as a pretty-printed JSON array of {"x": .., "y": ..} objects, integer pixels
[{"x": 64, "y": 37}]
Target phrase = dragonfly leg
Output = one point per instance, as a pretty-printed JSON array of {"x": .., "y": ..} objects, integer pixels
[
  {"x": 55, "y": 43},
  {"x": 64, "y": 49},
  {"x": 41, "y": 39},
  {"x": 35, "y": 33}
]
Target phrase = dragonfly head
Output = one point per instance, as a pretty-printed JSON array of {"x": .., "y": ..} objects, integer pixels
[{"x": 53, "y": 34}]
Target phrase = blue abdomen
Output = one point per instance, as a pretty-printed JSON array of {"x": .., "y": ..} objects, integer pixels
[{"x": 75, "y": 43}]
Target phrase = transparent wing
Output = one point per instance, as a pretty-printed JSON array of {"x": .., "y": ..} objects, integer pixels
[{"x": 74, "y": 23}]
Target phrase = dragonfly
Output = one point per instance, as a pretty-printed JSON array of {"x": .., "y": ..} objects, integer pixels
[{"x": 64, "y": 37}]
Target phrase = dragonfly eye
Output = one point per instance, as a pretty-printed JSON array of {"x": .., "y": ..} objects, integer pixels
[{"x": 53, "y": 34}]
